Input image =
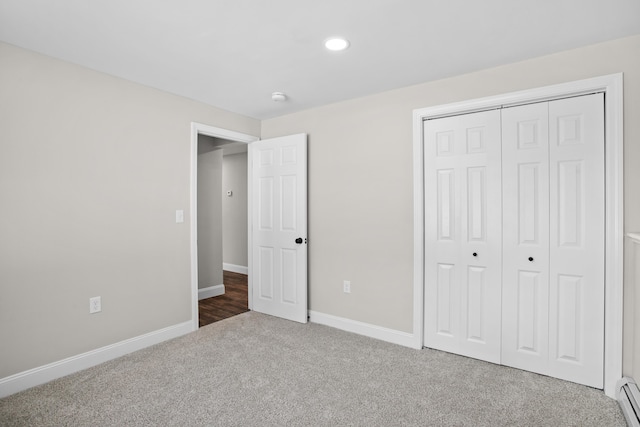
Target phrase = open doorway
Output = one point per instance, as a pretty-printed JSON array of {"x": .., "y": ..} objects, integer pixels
[
  {"x": 222, "y": 229},
  {"x": 219, "y": 224}
]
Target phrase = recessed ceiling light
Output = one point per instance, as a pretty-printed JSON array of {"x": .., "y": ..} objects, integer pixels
[{"x": 336, "y": 44}]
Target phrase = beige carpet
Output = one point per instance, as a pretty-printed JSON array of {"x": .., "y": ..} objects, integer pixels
[{"x": 256, "y": 370}]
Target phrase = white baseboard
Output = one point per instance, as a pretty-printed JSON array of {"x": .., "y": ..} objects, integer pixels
[
  {"x": 366, "y": 329},
  {"x": 211, "y": 291},
  {"x": 43, "y": 374},
  {"x": 235, "y": 268}
]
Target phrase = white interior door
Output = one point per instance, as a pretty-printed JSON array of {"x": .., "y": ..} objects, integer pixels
[
  {"x": 278, "y": 210},
  {"x": 463, "y": 234}
]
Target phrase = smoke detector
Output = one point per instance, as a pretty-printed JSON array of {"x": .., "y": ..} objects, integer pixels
[{"x": 278, "y": 96}]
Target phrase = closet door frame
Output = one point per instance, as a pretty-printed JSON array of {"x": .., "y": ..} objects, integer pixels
[{"x": 612, "y": 86}]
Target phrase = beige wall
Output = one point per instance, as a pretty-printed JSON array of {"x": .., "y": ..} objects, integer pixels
[
  {"x": 360, "y": 180},
  {"x": 234, "y": 210},
  {"x": 92, "y": 169},
  {"x": 209, "y": 214}
]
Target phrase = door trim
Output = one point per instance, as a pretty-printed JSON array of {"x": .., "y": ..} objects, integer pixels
[
  {"x": 612, "y": 86},
  {"x": 202, "y": 129}
]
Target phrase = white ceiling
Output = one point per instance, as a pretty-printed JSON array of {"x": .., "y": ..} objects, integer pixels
[{"x": 234, "y": 53}]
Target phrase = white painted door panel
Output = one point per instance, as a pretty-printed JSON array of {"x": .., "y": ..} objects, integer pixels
[
  {"x": 525, "y": 287},
  {"x": 576, "y": 321},
  {"x": 463, "y": 222},
  {"x": 278, "y": 278}
]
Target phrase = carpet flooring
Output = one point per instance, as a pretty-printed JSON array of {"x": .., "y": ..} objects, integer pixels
[{"x": 257, "y": 370}]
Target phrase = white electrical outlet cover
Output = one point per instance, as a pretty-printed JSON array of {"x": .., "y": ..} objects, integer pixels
[{"x": 346, "y": 286}]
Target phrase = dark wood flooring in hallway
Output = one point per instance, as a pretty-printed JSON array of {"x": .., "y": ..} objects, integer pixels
[{"x": 232, "y": 303}]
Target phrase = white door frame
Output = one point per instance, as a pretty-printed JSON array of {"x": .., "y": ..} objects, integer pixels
[
  {"x": 202, "y": 129},
  {"x": 611, "y": 86}
]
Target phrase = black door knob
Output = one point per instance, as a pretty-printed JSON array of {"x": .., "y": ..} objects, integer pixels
[
  {"x": 299, "y": 240},
  {"x": 530, "y": 258},
  {"x": 475, "y": 254}
]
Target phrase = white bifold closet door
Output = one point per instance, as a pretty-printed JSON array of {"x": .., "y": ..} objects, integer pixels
[
  {"x": 463, "y": 213},
  {"x": 514, "y": 237},
  {"x": 553, "y": 238}
]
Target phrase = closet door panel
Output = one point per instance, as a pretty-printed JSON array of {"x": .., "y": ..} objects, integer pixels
[
  {"x": 463, "y": 216},
  {"x": 480, "y": 251},
  {"x": 525, "y": 289},
  {"x": 443, "y": 147},
  {"x": 577, "y": 239}
]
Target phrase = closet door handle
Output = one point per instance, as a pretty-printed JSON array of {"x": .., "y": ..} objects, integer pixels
[
  {"x": 531, "y": 258},
  {"x": 475, "y": 254}
]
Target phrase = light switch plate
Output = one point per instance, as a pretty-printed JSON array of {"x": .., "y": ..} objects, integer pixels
[{"x": 95, "y": 305}]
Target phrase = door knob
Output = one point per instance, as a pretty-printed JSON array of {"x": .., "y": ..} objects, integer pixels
[
  {"x": 475, "y": 254},
  {"x": 299, "y": 240},
  {"x": 530, "y": 258}
]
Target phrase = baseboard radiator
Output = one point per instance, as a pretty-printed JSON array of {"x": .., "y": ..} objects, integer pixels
[{"x": 629, "y": 399}]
